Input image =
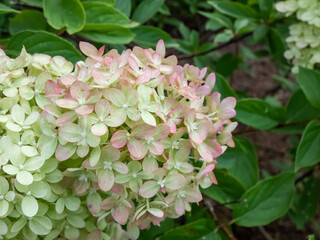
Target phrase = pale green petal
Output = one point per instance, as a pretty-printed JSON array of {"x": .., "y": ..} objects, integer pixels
[
  {"x": 10, "y": 169},
  {"x": 18, "y": 114},
  {"x": 24, "y": 177},
  {"x": 29, "y": 206},
  {"x": 29, "y": 151}
]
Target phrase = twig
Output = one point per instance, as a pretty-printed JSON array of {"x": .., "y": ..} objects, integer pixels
[
  {"x": 265, "y": 233},
  {"x": 303, "y": 176},
  {"x": 223, "y": 45},
  {"x": 210, "y": 207}
]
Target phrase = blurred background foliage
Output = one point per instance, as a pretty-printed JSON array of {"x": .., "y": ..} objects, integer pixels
[{"x": 276, "y": 187}]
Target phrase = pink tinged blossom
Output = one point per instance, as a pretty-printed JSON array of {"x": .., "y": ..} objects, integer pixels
[
  {"x": 197, "y": 128},
  {"x": 106, "y": 166},
  {"x": 223, "y": 110},
  {"x": 173, "y": 181},
  {"x": 102, "y": 110},
  {"x": 209, "y": 150}
]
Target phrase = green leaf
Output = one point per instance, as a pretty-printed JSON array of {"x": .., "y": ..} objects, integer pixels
[
  {"x": 146, "y": 10},
  {"x": 27, "y": 20},
  {"x": 260, "y": 32},
  {"x": 241, "y": 162},
  {"x": 276, "y": 45},
  {"x": 219, "y": 18},
  {"x": 256, "y": 113},
  {"x": 308, "y": 152},
  {"x": 299, "y": 109},
  {"x": 148, "y": 36},
  {"x": 43, "y": 42},
  {"x": 107, "y": 34},
  {"x": 268, "y": 200},
  {"x": 69, "y": 14},
  {"x": 37, "y": 3},
  {"x": 266, "y": 7},
  {"x": 223, "y": 87},
  {"x": 101, "y": 13},
  {"x": 5, "y": 9},
  {"x": 228, "y": 188},
  {"x": 124, "y": 6},
  {"x": 309, "y": 81},
  {"x": 191, "y": 231},
  {"x": 29, "y": 206},
  {"x": 305, "y": 205},
  {"x": 40, "y": 225},
  {"x": 235, "y": 9}
]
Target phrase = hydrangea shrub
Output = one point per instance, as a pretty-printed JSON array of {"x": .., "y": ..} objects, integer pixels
[
  {"x": 119, "y": 139},
  {"x": 303, "y": 42}
]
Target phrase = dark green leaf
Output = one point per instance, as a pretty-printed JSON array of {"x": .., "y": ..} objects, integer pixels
[
  {"x": 260, "y": 32},
  {"x": 191, "y": 231},
  {"x": 124, "y": 6},
  {"x": 99, "y": 13},
  {"x": 223, "y": 87},
  {"x": 228, "y": 188},
  {"x": 219, "y": 18},
  {"x": 309, "y": 81},
  {"x": 308, "y": 152},
  {"x": 107, "y": 34},
  {"x": 37, "y": 3},
  {"x": 305, "y": 204},
  {"x": 43, "y": 42},
  {"x": 268, "y": 200},
  {"x": 69, "y": 14},
  {"x": 266, "y": 6},
  {"x": 227, "y": 64},
  {"x": 5, "y": 9},
  {"x": 256, "y": 113},
  {"x": 241, "y": 162},
  {"x": 146, "y": 10},
  {"x": 299, "y": 109},
  {"x": 276, "y": 45},
  {"x": 27, "y": 20},
  {"x": 148, "y": 36},
  {"x": 235, "y": 9}
]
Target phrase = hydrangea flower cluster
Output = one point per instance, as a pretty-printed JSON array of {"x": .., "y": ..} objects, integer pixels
[
  {"x": 119, "y": 139},
  {"x": 304, "y": 41}
]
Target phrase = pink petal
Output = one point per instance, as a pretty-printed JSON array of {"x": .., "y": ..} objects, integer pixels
[
  {"x": 143, "y": 131},
  {"x": 67, "y": 103},
  {"x": 105, "y": 179},
  {"x": 179, "y": 206},
  {"x": 84, "y": 109},
  {"x": 161, "y": 48},
  {"x": 135, "y": 148},
  {"x": 156, "y": 148},
  {"x": 193, "y": 195},
  {"x": 133, "y": 64},
  {"x": 64, "y": 152},
  {"x": 67, "y": 117},
  {"x": 119, "y": 139},
  {"x": 229, "y": 102},
  {"x": 211, "y": 80},
  {"x": 121, "y": 214}
]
